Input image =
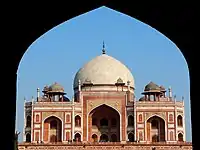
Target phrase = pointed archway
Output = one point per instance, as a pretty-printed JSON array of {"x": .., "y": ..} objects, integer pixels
[
  {"x": 104, "y": 138},
  {"x": 155, "y": 127},
  {"x": 101, "y": 122},
  {"x": 52, "y": 131},
  {"x": 77, "y": 137},
  {"x": 95, "y": 138},
  {"x": 131, "y": 137},
  {"x": 28, "y": 137}
]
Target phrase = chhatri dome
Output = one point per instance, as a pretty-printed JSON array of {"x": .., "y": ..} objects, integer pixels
[{"x": 103, "y": 70}]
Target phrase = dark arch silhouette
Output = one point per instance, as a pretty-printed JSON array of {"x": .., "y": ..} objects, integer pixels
[
  {"x": 77, "y": 121},
  {"x": 113, "y": 138},
  {"x": 95, "y": 138},
  {"x": 177, "y": 24},
  {"x": 130, "y": 120},
  {"x": 180, "y": 137},
  {"x": 77, "y": 137},
  {"x": 28, "y": 121},
  {"x": 180, "y": 120},
  {"x": 28, "y": 137},
  {"x": 131, "y": 137},
  {"x": 104, "y": 138}
]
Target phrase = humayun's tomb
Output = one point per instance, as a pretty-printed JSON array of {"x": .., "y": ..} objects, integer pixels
[{"x": 104, "y": 113}]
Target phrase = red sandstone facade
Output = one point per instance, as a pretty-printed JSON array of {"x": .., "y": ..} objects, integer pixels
[{"x": 104, "y": 112}]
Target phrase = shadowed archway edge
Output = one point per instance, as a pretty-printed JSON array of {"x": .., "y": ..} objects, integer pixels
[{"x": 25, "y": 22}]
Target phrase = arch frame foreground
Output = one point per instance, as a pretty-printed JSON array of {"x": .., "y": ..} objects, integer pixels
[{"x": 180, "y": 28}]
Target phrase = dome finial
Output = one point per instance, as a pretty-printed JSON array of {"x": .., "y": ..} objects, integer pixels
[{"x": 103, "y": 50}]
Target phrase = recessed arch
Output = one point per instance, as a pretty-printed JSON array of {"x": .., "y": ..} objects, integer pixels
[
  {"x": 120, "y": 137},
  {"x": 180, "y": 137},
  {"x": 180, "y": 120},
  {"x": 156, "y": 129},
  {"x": 171, "y": 135},
  {"x": 28, "y": 137},
  {"x": 95, "y": 138},
  {"x": 53, "y": 115},
  {"x": 113, "y": 138},
  {"x": 131, "y": 137},
  {"x": 109, "y": 122},
  {"x": 130, "y": 120},
  {"x": 106, "y": 105},
  {"x": 28, "y": 121},
  {"x": 77, "y": 137},
  {"x": 37, "y": 118},
  {"x": 77, "y": 132},
  {"x": 77, "y": 120},
  {"x": 104, "y": 138},
  {"x": 52, "y": 129},
  {"x": 171, "y": 118},
  {"x": 155, "y": 115}
]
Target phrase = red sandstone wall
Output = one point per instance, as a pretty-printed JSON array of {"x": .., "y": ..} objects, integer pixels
[{"x": 99, "y": 147}]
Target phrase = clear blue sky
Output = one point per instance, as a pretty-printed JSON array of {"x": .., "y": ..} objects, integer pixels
[{"x": 58, "y": 54}]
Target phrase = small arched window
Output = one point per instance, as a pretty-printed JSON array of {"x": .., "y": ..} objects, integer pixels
[
  {"x": 28, "y": 121},
  {"x": 67, "y": 118},
  {"x": 77, "y": 121},
  {"x": 67, "y": 136},
  {"x": 140, "y": 117},
  {"x": 180, "y": 137},
  {"x": 113, "y": 138},
  {"x": 171, "y": 118},
  {"x": 130, "y": 121},
  {"x": 37, "y": 119},
  {"x": 131, "y": 137},
  {"x": 95, "y": 138},
  {"x": 180, "y": 120},
  {"x": 36, "y": 136},
  {"x": 171, "y": 136},
  {"x": 140, "y": 136},
  {"x": 28, "y": 137},
  {"x": 77, "y": 137}
]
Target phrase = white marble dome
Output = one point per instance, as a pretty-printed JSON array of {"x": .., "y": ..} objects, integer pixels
[{"x": 104, "y": 69}]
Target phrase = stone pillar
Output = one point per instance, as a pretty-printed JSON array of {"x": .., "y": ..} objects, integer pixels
[
  {"x": 123, "y": 121},
  {"x": 85, "y": 121},
  {"x": 72, "y": 136},
  {"x": 89, "y": 128},
  {"x": 149, "y": 97},
  {"x": 135, "y": 119}
]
